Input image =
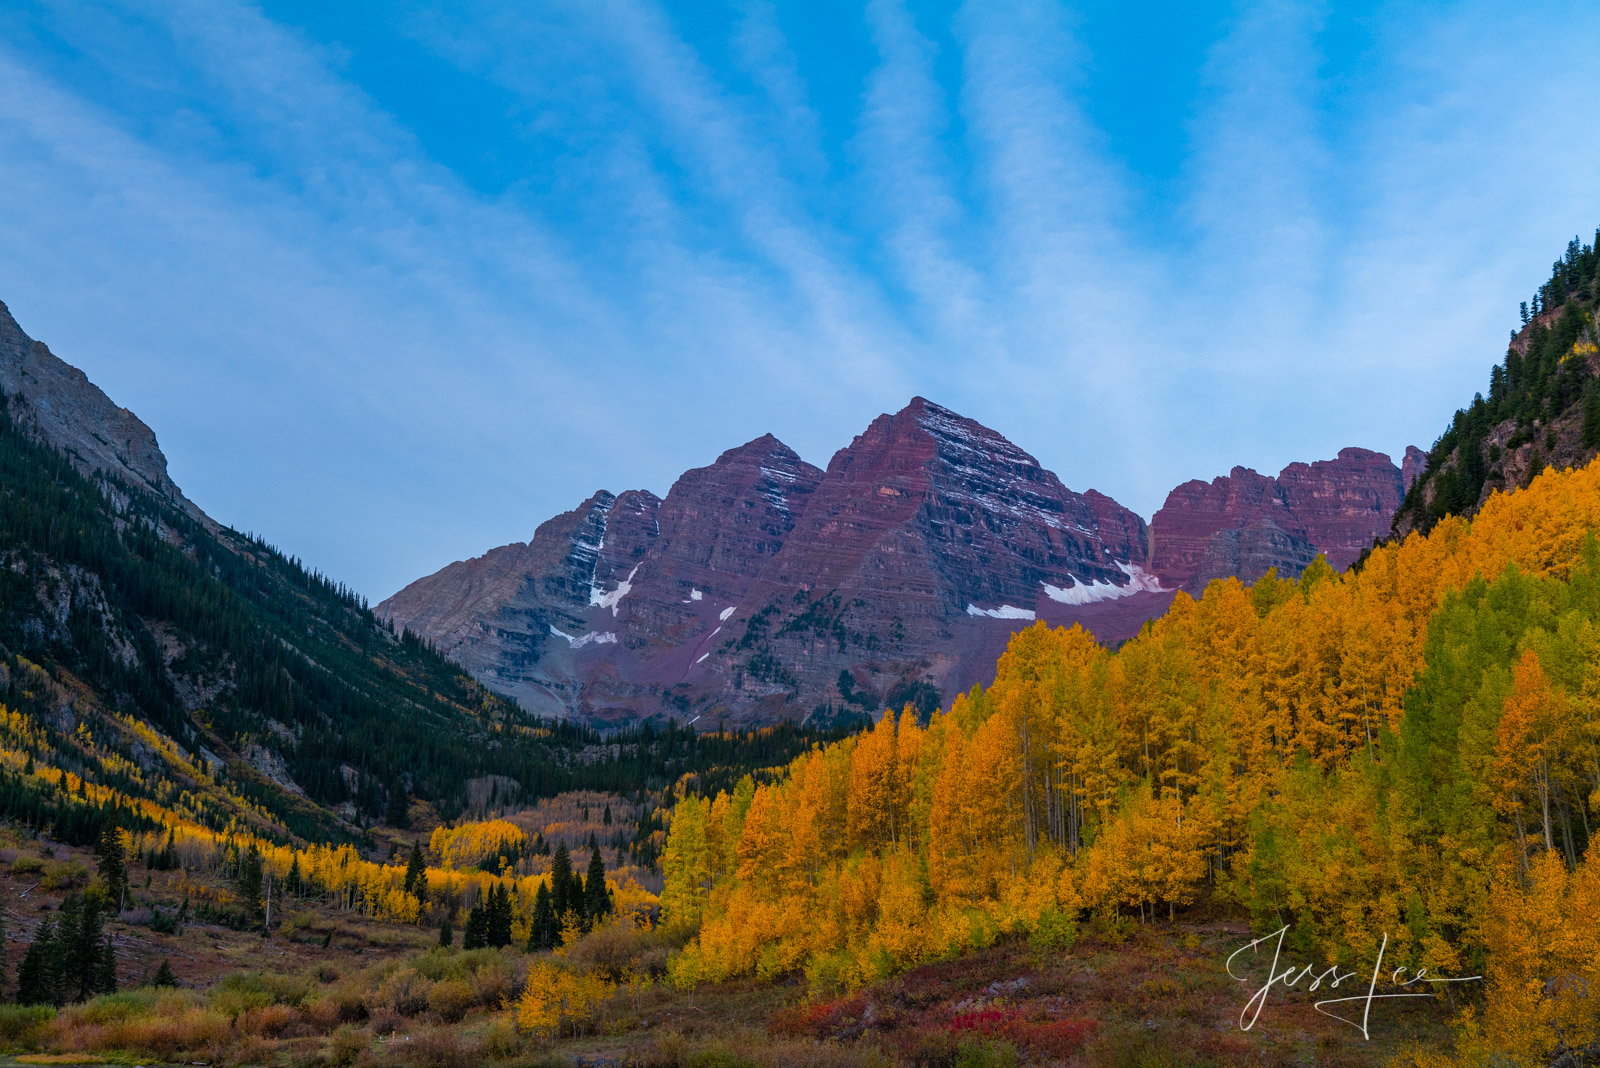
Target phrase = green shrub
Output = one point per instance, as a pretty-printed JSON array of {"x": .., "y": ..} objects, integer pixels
[
  {"x": 64, "y": 874},
  {"x": 1054, "y": 931},
  {"x": 27, "y": 864},
  {"x": 242, "y": 991},
  {"x": 114, "y": 1008},
  {"x": 20, "y": 1024},
  {"x": 451, "y": 999},
  {"x": 975, "y": 1054}
]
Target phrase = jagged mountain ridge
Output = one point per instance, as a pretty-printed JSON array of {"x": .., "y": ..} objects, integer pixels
[
  {"x": 768, "y": 589},
  {"x": 1243, "y": 523}
]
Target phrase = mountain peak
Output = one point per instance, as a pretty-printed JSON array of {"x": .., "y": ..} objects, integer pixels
[
  {"x": 58, "y": 404},
  {"x": 767, "y": 446}
]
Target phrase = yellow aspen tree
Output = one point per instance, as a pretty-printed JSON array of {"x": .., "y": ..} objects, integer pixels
[
  {"x": 685, "y": 863},
  {"x": 1526, "y": 748}
]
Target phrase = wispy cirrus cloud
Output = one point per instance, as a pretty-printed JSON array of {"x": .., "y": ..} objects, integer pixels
[{"x": 393, "y": 288}]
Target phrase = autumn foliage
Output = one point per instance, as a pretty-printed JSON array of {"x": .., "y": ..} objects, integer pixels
[{"x": 1409, "y": 750}]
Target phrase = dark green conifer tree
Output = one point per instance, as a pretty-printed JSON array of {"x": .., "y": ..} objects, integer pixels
[
  {"x": 79, "y": 936},
  {"x": 164, "y": 976},
  {"x": 250, "y": 881},
  {"x": 37, "y": 982},
  {"x": 499, "y": 916},
  {"x": 561, "y": 881},
  {"x": 597, "y": 899},
  {"x": 105, "y": 972},
  {"x": 112, "y": 861},
  {"x": 447, "y": 937},
  {"x": 417, "y": 873},
  {"x": 475, "y": 935},
  {"x": 545, "y": 929}
]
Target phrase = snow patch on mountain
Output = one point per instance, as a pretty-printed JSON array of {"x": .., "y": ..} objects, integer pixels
[
  {"x": 612, "y": 599},
  {"x": 1139, "y": 581},
  {"x": 1005, "y": 611}
]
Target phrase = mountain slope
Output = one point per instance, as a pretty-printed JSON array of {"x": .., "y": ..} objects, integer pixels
[
  {"x": 1542, "y": 408},
  {"x": 150, "y": 650}
]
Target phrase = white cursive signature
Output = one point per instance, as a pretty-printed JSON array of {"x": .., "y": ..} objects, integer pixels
[{"x": 1291, "y": 978}]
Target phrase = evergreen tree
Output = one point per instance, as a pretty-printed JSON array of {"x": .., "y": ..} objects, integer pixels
[
  {"x": 111, "y": 858},
  {"x": 417, "y": 873},
  {"x": 447, "y": 937},
  {"x": 164, "y": 976},
  {"x": 561, "y": 881},
  {"x": 292, "y": 883},
  {"x": 105, "y": 974},
  {"x": 498, "y": 920},
  {"x": 597, "y": 899},
  {"x": 250, "y": 881},
  {"x": 36, "y": 976},
  {"x": 79, "y": 936},
  {"x": 545, "y": 929},
  {"x": 475, "y": 935},
  {"x": 605, "y": 817}
]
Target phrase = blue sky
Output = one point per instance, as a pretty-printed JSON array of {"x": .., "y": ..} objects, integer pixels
[{"x": 394, "y": 282}]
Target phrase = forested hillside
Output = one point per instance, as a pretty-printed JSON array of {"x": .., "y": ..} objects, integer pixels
[
  {"x": 150, "y": 652},
  {"x": 1408, "y": 752},
  {"x": 1542, "y": 406}
]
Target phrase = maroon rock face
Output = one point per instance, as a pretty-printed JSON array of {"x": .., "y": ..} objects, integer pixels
[
  {"x": 935, "y": 512},
  {"x": 1415, "y": 462},
  {"x": 761, "y": 587},
  {"x": 1244, "y": 523},
  {"x": 719, "y": 527}
]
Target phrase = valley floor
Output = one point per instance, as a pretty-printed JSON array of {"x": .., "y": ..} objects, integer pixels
[{"x": 1160, "y": 996}]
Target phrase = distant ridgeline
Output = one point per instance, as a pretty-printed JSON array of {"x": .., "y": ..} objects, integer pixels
[
  {"x": 154, "y": 664},
  {"x": 1543, "y": 407}
]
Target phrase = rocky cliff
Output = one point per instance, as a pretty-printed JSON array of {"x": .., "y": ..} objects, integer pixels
[
  {"x": 58, "y": 405},
  {"x": 1245, "y": 522},
  {"x": 761, "y": 587}
]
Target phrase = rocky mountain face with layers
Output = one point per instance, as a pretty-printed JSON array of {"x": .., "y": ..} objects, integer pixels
[
  {"x": 761, "y": 588},
  {"x": 1244, "y": 523}
]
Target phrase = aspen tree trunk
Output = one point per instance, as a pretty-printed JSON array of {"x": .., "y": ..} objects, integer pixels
[{"x": 1544, "y": 803}]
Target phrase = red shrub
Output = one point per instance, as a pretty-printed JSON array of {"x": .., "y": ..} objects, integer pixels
[
  {"x": 990, "y": 1022},
  {"x": 1054, "y": 1038},
  {"x": 819, "y": 1018}
]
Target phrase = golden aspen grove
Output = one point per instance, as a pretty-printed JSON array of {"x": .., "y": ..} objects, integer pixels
[{"x": 1407, "y": 753}]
